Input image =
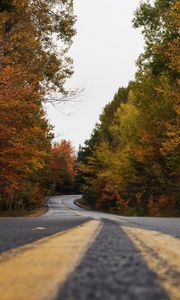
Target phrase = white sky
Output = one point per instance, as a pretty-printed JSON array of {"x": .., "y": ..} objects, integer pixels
[{"x": 104, "y": 51}]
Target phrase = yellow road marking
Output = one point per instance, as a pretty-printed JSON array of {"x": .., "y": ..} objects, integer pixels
[
  {"x": 117, "y": 219},
  {"x": 38, "y": 228},
  {"x": 37, "y": 271},
  {"x": 162, "y": 254}
]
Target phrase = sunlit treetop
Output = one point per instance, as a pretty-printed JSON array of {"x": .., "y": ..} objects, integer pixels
[{"x": 37, "y": 35}]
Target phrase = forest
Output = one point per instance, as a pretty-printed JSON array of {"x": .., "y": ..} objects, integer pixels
[
  {"x": 31, "y": 70},
  {"x": 130, "y": 165}
]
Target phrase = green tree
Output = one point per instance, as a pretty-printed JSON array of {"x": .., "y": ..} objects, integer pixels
[{"x": 133, "y": 166}]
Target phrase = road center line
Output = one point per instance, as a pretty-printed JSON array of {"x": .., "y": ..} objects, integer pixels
[
  {"x": 38, "y": 270},
  {"x": 161, "y": 252},
  {"x": 68, "y": 209}
]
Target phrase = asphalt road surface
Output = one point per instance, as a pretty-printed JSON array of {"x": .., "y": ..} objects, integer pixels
[
  {"x": 71, "y": 254},
  {"x": 15, "y": 232}
]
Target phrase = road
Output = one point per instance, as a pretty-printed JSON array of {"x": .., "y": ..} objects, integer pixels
[{"x": 71, "y": 254}]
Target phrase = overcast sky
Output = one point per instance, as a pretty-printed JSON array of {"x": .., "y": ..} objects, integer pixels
[{"x": 104, "y": 51}]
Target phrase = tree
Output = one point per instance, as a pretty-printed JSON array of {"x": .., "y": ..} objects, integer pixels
[
  {"x": 31, "y": 67},
  {"x": 38, "y": 54},
  {"x": 133, "y": 166},
  {"x": 63, "y": 158},
  {"x": 159, "y": 23},
  {"x": 24, "y": 139},
  {"x": 159, "y": 62}
]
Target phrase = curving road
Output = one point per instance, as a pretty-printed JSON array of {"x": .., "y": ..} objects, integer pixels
[
  {"x": 107, "y": 257},
  {"x": 170, "y": 226},
  {"x": 15, "y": 232}
]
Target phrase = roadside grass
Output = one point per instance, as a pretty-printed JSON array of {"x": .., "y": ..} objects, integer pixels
[
  {"x": 82, "y": 203},
  {"x": 32, "y": 211}
]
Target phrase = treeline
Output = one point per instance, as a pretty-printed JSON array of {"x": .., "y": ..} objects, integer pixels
[
  {"x": 31, "y": 69},
  {"x": 63, "y": 168},
  {"x": 130, "y": 165}
]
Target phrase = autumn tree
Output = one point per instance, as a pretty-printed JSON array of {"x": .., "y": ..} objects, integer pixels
[
  {"x": 158, "y": 71},
  {"x": 63, "y": 158},
  {"x": 133, "y": 166},
  {"x": 31, "y": 67},
  {"x": 100, "y": 169}
]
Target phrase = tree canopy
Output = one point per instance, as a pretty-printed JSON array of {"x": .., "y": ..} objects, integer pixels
[
  {"x": 31, "y": 67},
  {"x": 131, "y": 163}
]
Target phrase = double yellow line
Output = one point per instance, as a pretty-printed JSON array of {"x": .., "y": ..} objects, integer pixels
[
  {"x": 161, "y": 252},
  {"x": 38, "y": 270}
]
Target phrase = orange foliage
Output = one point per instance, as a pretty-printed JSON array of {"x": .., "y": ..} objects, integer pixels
[
  {"x": 24, "y": 134},
  {"x": 63, "y": 157},
  {"x": 164, "y": 206}
]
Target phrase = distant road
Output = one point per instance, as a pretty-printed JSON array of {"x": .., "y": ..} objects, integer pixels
[
  {"x": 15, "y": 232},
  {"x": 170, "y": 226},
  {"x": 71, "y": 254}
]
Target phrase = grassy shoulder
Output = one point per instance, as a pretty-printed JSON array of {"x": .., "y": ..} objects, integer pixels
[
  {"x": 129, "y": 212},
  {"x": 82, "y": 203},
  {"x": 32, "y": 211}
]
